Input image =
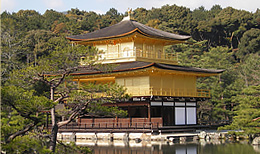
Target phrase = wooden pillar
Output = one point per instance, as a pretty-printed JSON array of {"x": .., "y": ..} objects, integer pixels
[{"x": 130, "y": 118}]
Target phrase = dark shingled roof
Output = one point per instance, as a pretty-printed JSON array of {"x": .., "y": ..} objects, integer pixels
[
  {"x": 126, "y": 27},
  {"x": 142, "y": 65}
]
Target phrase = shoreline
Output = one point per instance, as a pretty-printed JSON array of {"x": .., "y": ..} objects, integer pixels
[{"x": 138, "y": 137}]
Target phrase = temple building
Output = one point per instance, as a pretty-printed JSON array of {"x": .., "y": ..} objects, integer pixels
[{"x": 163, "y": 92}]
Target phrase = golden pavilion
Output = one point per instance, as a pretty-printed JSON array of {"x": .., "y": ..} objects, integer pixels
[{"x": 163, "y": 92}]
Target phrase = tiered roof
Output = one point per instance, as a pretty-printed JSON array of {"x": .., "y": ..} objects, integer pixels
[
  {"x": 128, "y": 27},
  {"x": 137, "y": 65},
  {"x": 125, "y": 28}
]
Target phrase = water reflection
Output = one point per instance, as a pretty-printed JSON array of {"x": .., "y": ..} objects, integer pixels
[
  {"x": 155, "y": 149},
  {"x": 150, "y": 147}
]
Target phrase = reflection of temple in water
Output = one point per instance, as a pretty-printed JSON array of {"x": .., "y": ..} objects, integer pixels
[
  {"x": 154, "y": 149},
  {"x": 164, "y": 147}
]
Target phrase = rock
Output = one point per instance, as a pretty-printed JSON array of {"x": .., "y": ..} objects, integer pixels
[
  {"x": 202, "y": 135},
  {"x": 171, "y": 139},
  {"x": 183, "y": 139},
  {"x": 230, "y": 136},
  {"x": 214, "y": 135},
  {"x": 207, "y": 138},
  {"x": 222, "y": 135},
  {"x": 195, "y": 138},
  {"x": 145, "y": 137},
  {"x": 256, "y": 141}
]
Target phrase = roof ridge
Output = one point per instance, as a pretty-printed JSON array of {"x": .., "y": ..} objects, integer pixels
[{"x": 133, "y": 24}]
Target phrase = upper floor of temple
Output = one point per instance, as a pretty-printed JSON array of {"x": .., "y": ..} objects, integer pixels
[{"x": 129, "y": 41}]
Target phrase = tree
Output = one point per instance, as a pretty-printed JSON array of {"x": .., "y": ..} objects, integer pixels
[
  {"x": 29, "y": 20},
  {"x": 215, "y": 9},
  {"x": 222, "y": 87},
  {"x": 35, "y": 44},
  {"x": 11, "y": 49},
  {"x": 247, "y": 113},
  {"x": 257, "y": 18},
  {"x": 51, "y": 16},
  {"x": 140, "y": 15},
  {"x": 250, "y": 43},
  {"x": 21, "y": 113},
  {"x": 153, "y": 23},
  {"x": 219, "y": 58},
  {"x": 249, "y": 71},
  {"x": 177, "y": 19},
  {"x": 114, "y": 14},
  {"x": 90, "y": 21},
  {"x": 226, "y": 27},
  {"x": 53, "y": 71},
  {"x": 200, "y": 13}
]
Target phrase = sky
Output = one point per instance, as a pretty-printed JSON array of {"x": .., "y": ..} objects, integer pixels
[{"x": 102, "y": 6}]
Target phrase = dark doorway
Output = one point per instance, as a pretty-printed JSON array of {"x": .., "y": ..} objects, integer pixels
[{"x": 168, "y": 116}]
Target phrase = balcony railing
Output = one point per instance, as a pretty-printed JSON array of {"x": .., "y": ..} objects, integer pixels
[
  {"x": 107, "y": 56},
  {"x": 158, "y": 55},
  {"x": 169, "y": 92},
  {"x": 115, "y": 123}
]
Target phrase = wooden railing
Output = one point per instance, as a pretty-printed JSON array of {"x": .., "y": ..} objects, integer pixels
[
  {"x": 158, "y": 55},
  {"x": 138, "y": 54},
  {"x": 169, "y": 92},
  {"x": 115, "y": 123},
  {"x": 141, "y": 91}
]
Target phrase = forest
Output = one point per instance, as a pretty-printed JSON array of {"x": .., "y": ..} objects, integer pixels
[{"x": 33, "y": 44}]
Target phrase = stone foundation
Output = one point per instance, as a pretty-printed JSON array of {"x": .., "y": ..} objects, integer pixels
[{"x": 148, "y": 137}]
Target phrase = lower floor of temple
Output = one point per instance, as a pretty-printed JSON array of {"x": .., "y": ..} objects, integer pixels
[
  {"x": 157, "y": 111},
  {"x": 145, "y": 114}
]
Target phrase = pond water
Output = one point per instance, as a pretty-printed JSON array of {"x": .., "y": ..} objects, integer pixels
[{"x": 198, "y": 147}]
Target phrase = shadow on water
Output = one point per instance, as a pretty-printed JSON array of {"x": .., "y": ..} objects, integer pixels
[{"x": 148, "y": 147}]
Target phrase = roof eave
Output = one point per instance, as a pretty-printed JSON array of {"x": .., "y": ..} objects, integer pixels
[
  {"x": 127, "y": 34},
  {"x": 200, "y": 73},
  {"x": 102, "y": 38}
]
